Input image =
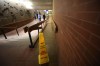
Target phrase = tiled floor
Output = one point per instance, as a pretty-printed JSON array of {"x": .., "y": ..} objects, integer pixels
[{"x": 50, "y": 40}]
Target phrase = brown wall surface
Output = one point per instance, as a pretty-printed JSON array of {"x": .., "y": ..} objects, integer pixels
[{"x": 78, "y": 32}]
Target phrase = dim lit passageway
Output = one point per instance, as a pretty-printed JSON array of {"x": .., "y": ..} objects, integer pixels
[{"x": 70, "y": 33}]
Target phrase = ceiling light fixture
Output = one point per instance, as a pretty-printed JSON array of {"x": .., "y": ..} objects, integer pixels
[{"x": 26, "y": 3}]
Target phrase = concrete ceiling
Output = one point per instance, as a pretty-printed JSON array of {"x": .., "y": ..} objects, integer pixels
[{"x": 42, "y": 4}]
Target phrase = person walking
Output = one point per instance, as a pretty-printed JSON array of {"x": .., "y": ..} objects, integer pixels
[
  {"x": 44, "y": 16},
  {"x": 39, "y": 17}
]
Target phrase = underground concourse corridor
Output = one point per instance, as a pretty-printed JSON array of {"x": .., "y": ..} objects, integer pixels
[{"x": 49, "y": 33}]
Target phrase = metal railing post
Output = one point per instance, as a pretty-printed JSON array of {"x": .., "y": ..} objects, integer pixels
[
  {"x": 31, "y": 28},
  {"x": 38, "y": 32},
  {"x": 4, "y": 34},
  {"x": 17, "y": 32},
  {"x": 31, "y": 45}
]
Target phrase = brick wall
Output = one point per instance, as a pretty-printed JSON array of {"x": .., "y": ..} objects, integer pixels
[{"x": 78, "y": 32}]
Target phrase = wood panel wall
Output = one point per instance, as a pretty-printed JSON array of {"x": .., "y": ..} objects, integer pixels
[{"x": 78, "y": 34}]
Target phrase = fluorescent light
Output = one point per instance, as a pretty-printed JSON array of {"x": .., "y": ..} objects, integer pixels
[
  {"x": 26, "y": 3},
  {"x": 14, "y": 1},
  {"x": 49, "y": 10}
]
